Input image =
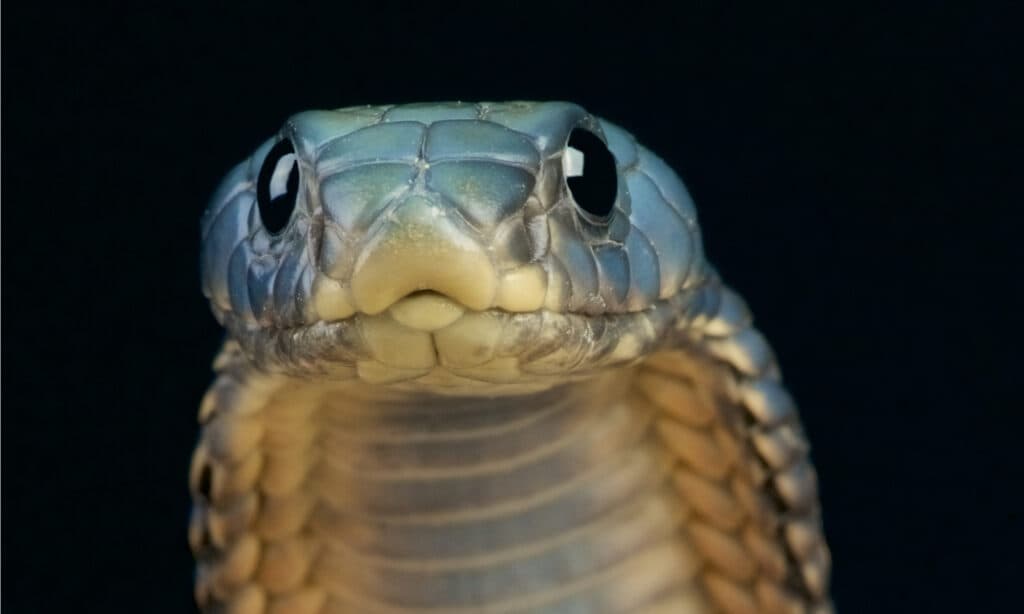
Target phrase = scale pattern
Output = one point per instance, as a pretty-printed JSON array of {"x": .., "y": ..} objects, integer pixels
[
  {"x": 619, "y": 438},
  {"x": 494, "y": 169}
]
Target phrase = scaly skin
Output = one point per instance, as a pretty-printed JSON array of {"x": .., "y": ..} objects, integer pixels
[{"x": 447, "y": 389}]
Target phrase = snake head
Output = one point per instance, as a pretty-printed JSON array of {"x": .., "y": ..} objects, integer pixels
[{"x": 548, "y": 229}]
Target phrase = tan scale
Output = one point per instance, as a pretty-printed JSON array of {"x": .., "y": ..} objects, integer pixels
[
  {"x": 432, "y": 425},
  {"x": 266, "y": 525}
]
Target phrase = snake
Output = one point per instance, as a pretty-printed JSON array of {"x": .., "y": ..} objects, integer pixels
[{"x": 476, "y": 361}]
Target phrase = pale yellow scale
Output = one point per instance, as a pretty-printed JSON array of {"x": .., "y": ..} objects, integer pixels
[{"x": 644, "y": 488}]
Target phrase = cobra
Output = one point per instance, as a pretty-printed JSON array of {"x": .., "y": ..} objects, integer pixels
[{"x": 476, "y": 362}]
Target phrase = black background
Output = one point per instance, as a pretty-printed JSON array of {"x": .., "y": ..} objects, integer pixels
[{"x": 852, "y": 168}]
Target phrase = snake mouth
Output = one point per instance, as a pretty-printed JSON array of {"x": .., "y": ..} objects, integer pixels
[
  {"x": 420, "y": 324},
  {"x": 428, "y": 338},
  {"x": 523, "y": 289},
  {"x": 427, "y": 310}
]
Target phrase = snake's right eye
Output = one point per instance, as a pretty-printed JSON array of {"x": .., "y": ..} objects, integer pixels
[
  {"x": 590, "y": 174},
  {"x": 277, "y": 187}
]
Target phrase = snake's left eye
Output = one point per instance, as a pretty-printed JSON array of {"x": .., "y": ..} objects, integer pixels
[
  {"x": 277, "y": 187},
  {"x": 590, "y": 173}
]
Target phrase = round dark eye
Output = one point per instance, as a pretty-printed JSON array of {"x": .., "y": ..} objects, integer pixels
[
  {"x": 277, "y": 187},
  {"x": 590, "y": 173}
]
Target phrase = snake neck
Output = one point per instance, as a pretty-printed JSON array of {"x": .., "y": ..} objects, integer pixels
[{"x": 540, "y": 500}]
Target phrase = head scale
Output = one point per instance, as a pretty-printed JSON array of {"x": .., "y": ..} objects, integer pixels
[{"x": 451, "y": 242}]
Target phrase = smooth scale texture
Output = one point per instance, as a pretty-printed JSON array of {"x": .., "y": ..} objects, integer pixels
[{"x": 447, "y": 390}]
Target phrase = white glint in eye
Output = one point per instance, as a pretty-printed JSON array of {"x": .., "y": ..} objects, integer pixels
[
  {"x": 282, "y": 170},
  {"x": 572, "y": 162},
  {"x": 277, "y": 186}
]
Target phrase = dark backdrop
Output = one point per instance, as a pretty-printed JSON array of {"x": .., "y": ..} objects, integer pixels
[{"x": 851, "y": 167}]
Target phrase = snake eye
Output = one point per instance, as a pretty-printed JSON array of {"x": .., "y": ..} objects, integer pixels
[
  {"x": 590, "y": 173},
  {"x": 277, "y": 187}
]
